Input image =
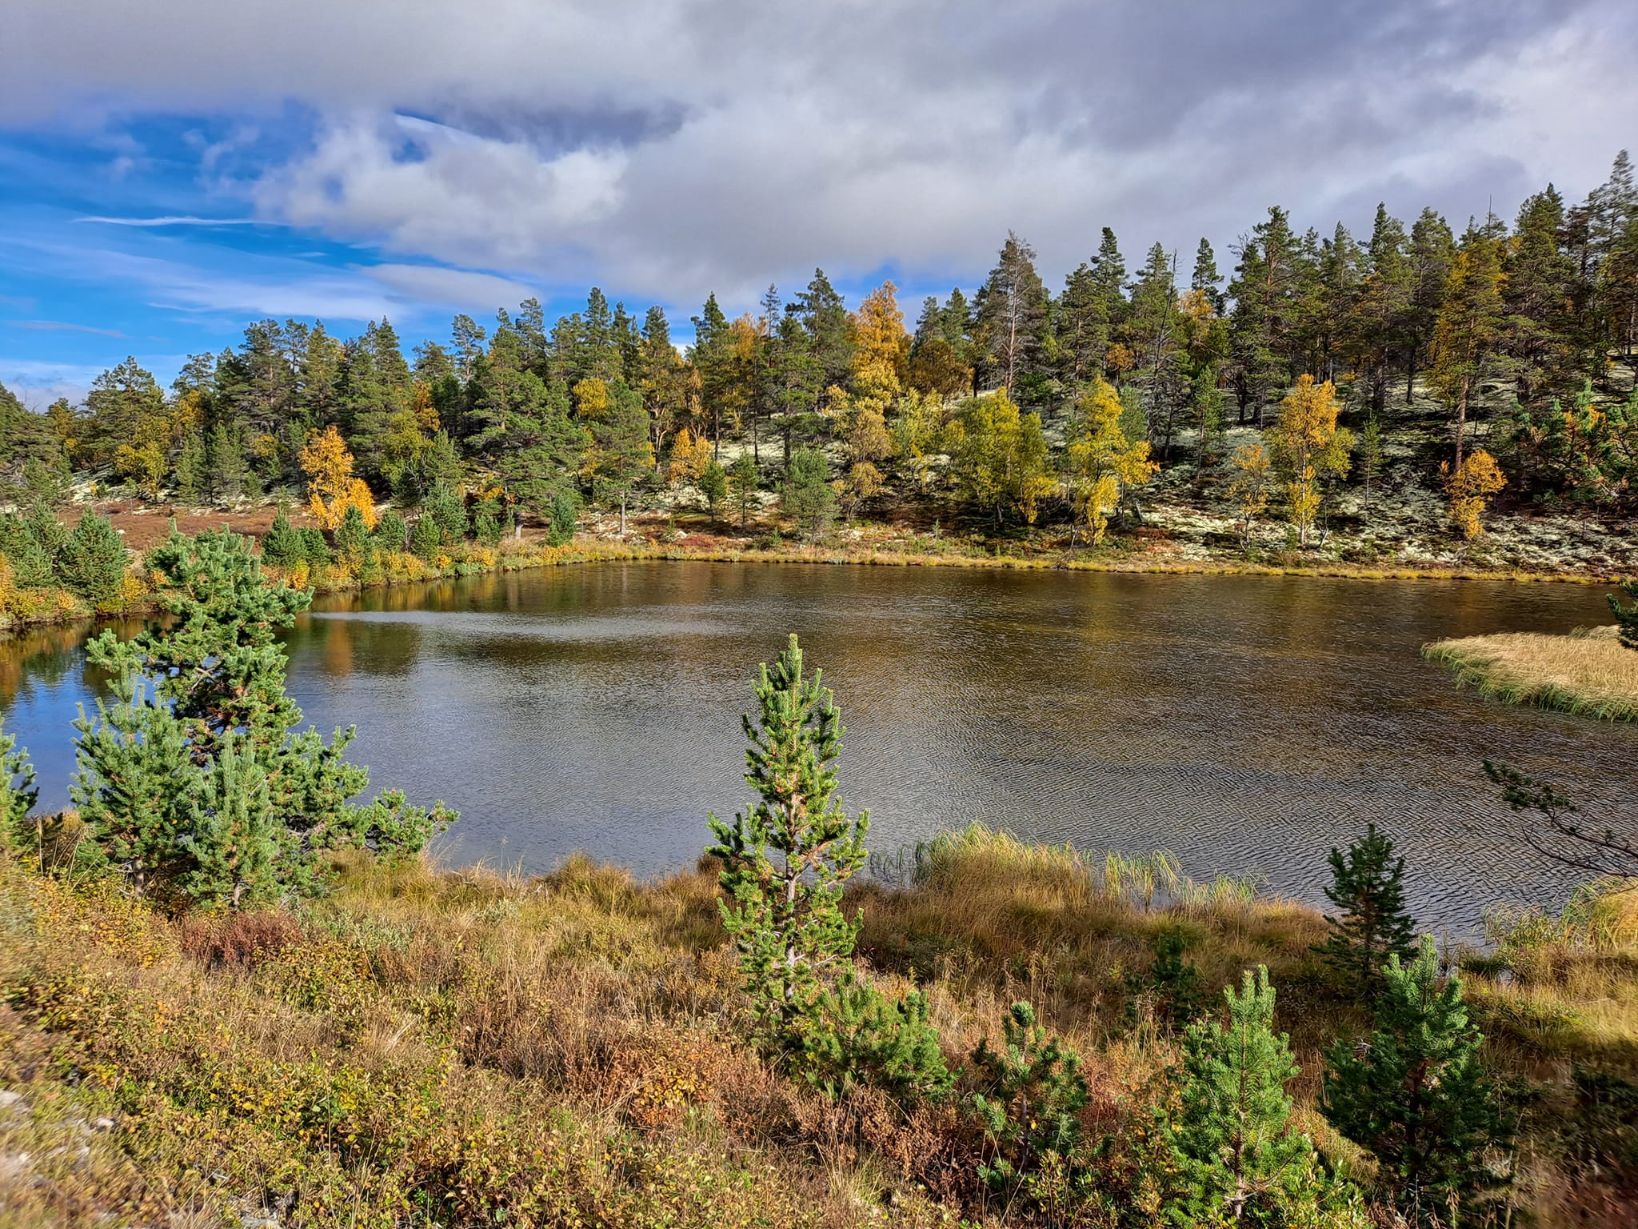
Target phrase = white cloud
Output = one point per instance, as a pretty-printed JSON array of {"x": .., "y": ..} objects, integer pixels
[
  {"x": 438, "y": 284},
  {"x": 668, "y": 147}
]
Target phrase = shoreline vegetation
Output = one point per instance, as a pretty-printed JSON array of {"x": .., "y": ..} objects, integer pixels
[
  {"x": 40, "y": 606},
  {"x": 1589, "y": 673}
]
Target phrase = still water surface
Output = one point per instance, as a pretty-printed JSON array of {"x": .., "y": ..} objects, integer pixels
[{"x": 1244, "y": 723}]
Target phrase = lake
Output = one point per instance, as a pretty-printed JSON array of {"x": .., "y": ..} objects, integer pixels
[{"x": 1245, "y": 723}]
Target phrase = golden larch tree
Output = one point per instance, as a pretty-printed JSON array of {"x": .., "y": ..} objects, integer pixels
[{"x": 331, "y": 486}]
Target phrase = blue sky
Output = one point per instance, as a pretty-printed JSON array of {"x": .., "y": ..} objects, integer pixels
[{"x": 172, "y": 172}]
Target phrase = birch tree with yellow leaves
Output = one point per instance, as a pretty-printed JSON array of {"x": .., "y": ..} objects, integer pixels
[
  {"x": 1470, "y": 486},
  {"x": 1308, "y": 448},
  {"x": 1102, "y": 464}
]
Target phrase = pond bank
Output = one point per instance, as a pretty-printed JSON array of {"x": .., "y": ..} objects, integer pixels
[{"x": 1590, "y": 674}]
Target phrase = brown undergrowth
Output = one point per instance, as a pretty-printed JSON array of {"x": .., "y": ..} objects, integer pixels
[{"x": 465, "y": 1048}]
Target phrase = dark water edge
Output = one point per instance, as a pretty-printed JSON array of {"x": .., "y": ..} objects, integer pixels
[{"x": 1245, "y": 723}]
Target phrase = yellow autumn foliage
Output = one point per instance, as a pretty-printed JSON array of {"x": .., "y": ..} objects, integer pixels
[{"x": 331, "y": 486}]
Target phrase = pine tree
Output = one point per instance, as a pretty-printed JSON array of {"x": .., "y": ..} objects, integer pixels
[
  {"x": 425, "y": 539},
  {"x": 1367, "y": 888},
  {"x": 18, "y": 792},
  {"x": 92, "y": 561},
  {"x": 865, "y": 1038},
  {"x": 1370, "y": 455},
  {"x": 230, "y": 832},
  {"x": 1030, "y": 1099},
  {"x": 713, "y": 486},
  {"x": 1626, "y": 613},
  {"x": 807, "y": 496},
  {"x": 447, "y": 513},
  {"x": 1011, "y": 315},
  {"x": 281, "y": 544},
  {"x": 1414, "y": 1094},
  {"x": 1237, "y": 1157},
  {"x": 785, "y": 859},
  {"x": 228, "y": 477},
  {"x": 391, "y": 533},
  {"x": 742, "y": 481},
  {"x": 153, "y": 780},
  {"x": 30, "y": 561},
  {"x": 188, "y": 474},
  {"x": 1468, "y": 330},
  {"x": 621, "y": 455}
]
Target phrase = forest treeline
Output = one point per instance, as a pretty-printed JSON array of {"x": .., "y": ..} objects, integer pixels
[{"x": 1014, "y": 400}]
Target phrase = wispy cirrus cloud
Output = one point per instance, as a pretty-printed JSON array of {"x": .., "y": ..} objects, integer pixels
[
  {"x": 62, "y": 326},
  {"x": 173, "y": 220}
]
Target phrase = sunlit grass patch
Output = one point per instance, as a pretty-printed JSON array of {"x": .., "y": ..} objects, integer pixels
[{"x": 1588, "y": 673}]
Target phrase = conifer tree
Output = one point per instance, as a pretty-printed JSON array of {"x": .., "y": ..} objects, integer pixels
[
  {"x": 808, "y": 497},
  {"x": 1370, "y": 455},
  {"x": 447, "y": 513},
  {"x": 425, "y": 539},
  {"x": 1626, "y": 613},
  {"x": 281, "y": 544},
  {"x": 1414, "y": 1094},
  {"x": 92, "y": 561},
  {"x": 29, "y": 560},
  {"x": 188, "y": 474},
  {"x": 1030, "y": 1099},
  {"x": 785, "y": 859},
  {"x": 1468, "y": 328},
  {"x": 1367, "y": 887},
  {"x": 18, "y": 792},
  {"x": 621, "y": 455},
  {"x": 196, "y": 766},
  {"x": 742, "y": 481},
  {"x": 1236, "y": 1155},
  {"x": 1011, "y": 315},
  {"x": 391, "y": 533},
  {"x": 714, "y": 486}
]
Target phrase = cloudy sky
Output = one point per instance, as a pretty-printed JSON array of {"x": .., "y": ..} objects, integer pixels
[{"x": 174, "y": 169}]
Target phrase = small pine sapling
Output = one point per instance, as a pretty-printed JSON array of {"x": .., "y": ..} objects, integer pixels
[
  {"x": 1236, "y": 1155},
  {"x": 785, "y": 859},
  {"x": 1415, "y": 1095},
  {"x": 1367, "y": 887},
  {"x": 1029, "y": 1103}
]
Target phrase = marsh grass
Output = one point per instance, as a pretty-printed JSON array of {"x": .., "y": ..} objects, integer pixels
[{"x": 1588, "y": 673}]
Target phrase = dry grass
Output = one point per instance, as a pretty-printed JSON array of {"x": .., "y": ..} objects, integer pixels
[
  {"x": 463, "y": 1048},
  {"x": 1588, "y": 673}
]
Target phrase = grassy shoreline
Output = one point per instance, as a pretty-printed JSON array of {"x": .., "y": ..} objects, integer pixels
[
  {"x": 563, "y": 1049},
  {"x": 57, "y": 607},
  {"x": 1590, "y": 674}
]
